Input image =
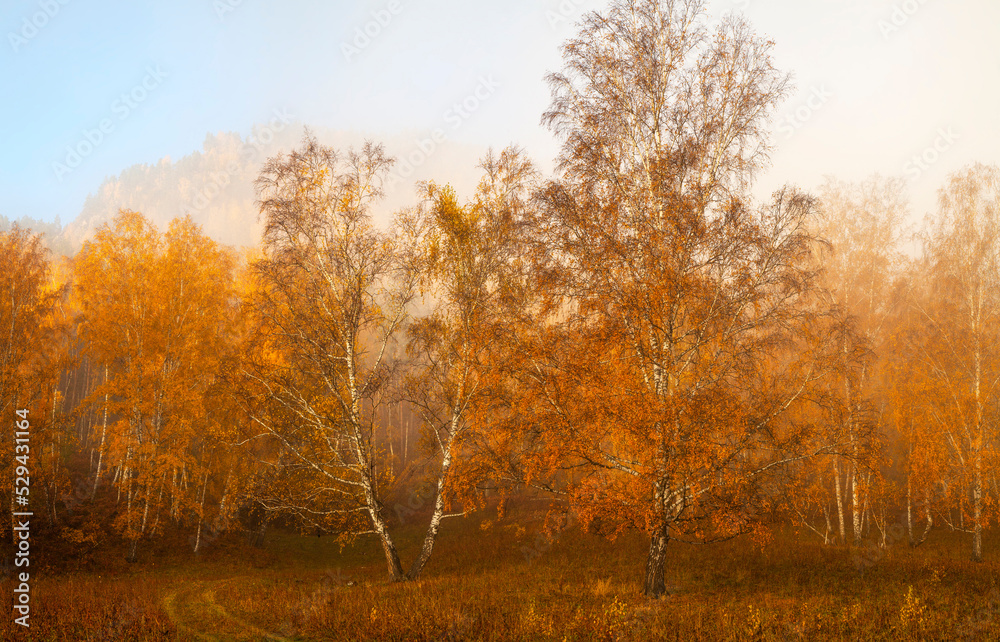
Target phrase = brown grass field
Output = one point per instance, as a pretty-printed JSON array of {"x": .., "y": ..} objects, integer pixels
[{"x": 481, "y": 585}]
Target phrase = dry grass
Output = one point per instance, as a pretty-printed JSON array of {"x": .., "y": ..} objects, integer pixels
[{"x": 480, "y": 586}]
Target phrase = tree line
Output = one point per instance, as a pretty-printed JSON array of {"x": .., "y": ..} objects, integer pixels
[{"x": 636, "y": 337}]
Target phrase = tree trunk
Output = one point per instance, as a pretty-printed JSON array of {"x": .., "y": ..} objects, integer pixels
[
  {"x": 655, "y": 586},
  {"x": 133, "y": 551},
  {"x": 389, "y": 434},
  {"x": 977, "y": 481},
  {"x": 406, "y": 436},
  {"x": 104, "y": 432},
  {"x": 223, "y": 517},
  {"x": 201, "y": 515},
  {"x": 840, "y": 500},
  {"x": 396, "y": 573},
  {"x": 255, "y": 537},
  {"x": 175, "y": 496},
  {"x": 856, "y": 506},
  {"x": 156, "y": 510},
  {"x": 432, "y": 528},
  {"x": 927, "y": 528},
  {"x": 977, "y": 510},
  {"x": 829, "y": 526},
  {"x": 909, "y": 509}
]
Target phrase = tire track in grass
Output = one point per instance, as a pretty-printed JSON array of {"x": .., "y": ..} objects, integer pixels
[
  {"x": 209, "y": 596},
  {"x": 169, "y": 604},
  {"x": 203, "y": 594}
]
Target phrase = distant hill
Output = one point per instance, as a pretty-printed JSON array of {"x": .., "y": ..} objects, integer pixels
[
  {"x": 52, "y": 233},
  {"x": 215, "y": 185}
]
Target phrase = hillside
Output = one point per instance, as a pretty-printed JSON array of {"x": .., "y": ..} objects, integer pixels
[{"x": 215, "y": 184}]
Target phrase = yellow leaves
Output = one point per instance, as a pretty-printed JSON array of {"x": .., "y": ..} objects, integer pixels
[
  {"x": 81, "y": 536},
  {"x": 537, "y": 624},
  {"x": 32, "y": 350},
  {"x": 157, "y": 314},
  {"x": 754, "y": 622},
  {"x": 913, "y": 611},
  {"x": 616, "y": 619},
  {"x": 456, "y": 222}
]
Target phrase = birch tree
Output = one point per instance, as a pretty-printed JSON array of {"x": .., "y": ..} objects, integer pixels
[
  {"x": 863, "y": 225},
  {"x": 690, "y": 287},
  {"x": 154, "y": 313},
  {"x": 332, "y": 293},
  {"x": 473, "y": 270},
  {"x": 962, "y": 313},
  {"x": 32, "y": 344}
]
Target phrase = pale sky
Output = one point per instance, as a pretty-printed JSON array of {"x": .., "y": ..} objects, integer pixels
[{"x": 878, "y": 82}]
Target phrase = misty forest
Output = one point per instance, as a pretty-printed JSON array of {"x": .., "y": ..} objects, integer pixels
[{"x": 630, "y": 400}]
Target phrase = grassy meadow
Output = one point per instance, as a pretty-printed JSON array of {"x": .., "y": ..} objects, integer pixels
[{"x": 508, "y": 580}]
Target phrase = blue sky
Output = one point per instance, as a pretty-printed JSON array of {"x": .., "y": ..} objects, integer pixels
[{"x": 879, "y": 83}]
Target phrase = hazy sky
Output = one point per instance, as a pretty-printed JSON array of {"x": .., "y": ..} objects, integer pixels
[{"x": 878, "y": 82}]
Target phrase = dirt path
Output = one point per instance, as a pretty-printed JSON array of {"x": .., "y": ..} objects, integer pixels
[{"x": 193, "y": 610}]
